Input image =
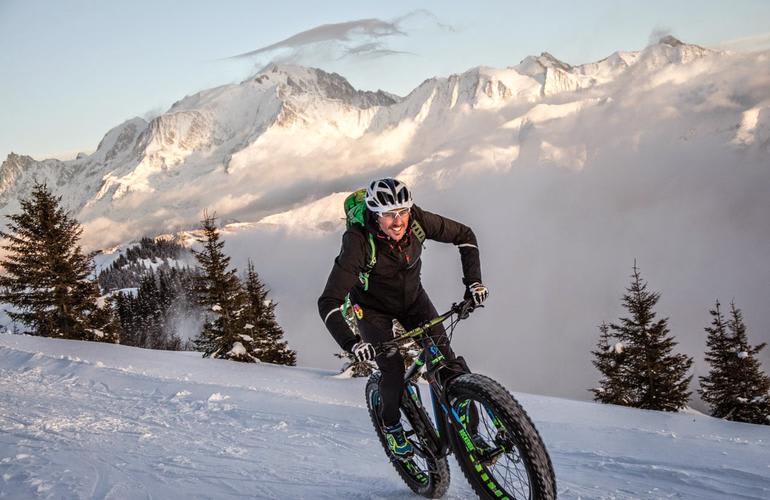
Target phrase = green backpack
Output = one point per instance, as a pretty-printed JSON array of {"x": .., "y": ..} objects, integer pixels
[{"x": 355, "y": 207}]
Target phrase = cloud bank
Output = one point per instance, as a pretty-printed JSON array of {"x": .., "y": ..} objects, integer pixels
[{"x": 360, "y": 39}]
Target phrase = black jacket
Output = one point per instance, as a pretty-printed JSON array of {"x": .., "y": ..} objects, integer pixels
[{"x": 394, "y": 283}]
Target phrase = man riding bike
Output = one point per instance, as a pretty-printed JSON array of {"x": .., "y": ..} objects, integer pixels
[{"x": 394, "y": 228}]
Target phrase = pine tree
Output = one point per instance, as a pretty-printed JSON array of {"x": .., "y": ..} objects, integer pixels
[
  {"x": 353, "y": 367},
  {"x": 105, "y": 323},
  {"x": 609, "y": 356},
  {"x": 651, "y": 376},
  {"x": 736, "y": 388},
  {"x": 408, "y": 352},
  {"x": 219, "y": 292},
  {"x": 259, "y": 319},
  {"x": 48, "y": 277},
  {"x": 125, "y": 311}
]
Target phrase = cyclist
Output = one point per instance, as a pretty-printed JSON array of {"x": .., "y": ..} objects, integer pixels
[{"x": 393, "y": 288}]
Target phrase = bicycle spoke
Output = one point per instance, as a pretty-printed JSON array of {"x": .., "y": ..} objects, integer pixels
[{"x": 502, "y": 461}]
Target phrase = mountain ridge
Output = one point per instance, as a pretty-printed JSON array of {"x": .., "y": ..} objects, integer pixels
[{"x": 236, "y": 135}]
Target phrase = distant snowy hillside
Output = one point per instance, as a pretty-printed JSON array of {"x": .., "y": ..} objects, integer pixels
[{"x": 97, "y": 421}]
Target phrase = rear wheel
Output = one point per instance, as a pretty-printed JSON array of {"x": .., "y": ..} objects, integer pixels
[
  {"x": 498, "y": 449},
  {"x": 425, "y": 473}
]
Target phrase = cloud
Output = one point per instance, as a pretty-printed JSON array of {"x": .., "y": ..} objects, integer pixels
[
  {"x": 153, "y": 113},
  {"x": 747, "y": 44},
  {"x": 341, "y": 32},
  {"x": 372, "y": 50},
  {"x": 657, "y": 33},
  {"x": 362, "y": 39}
]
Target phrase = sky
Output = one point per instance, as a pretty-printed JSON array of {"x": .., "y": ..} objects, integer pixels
[{"x": 70, "y": 71}]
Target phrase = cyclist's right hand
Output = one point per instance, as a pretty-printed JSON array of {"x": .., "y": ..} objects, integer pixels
[{"x": 363, "y": 351}]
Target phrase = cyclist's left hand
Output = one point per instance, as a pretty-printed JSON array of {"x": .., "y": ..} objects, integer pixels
[{"x": 478, "y": 292}]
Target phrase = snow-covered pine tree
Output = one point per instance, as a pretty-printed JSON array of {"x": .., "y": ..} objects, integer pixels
[
  {"x": 608, "y": 359},
  {"x": 353, "y": 367},
  {"x": 410, "y": 351},
  {"x": 356, "y": 368},
  {"x": 150, "y": 313},
  {"x": 172, "y": 300},
  {"x": 652, "y": 376},
  {"x": 47, "y": 276},
  {"x": 124, "y": 306},
  {"x": 127, "y": 269},
  {"x": 219, "y": 292},
  {"x": 736, "y": 388},
  {"x": 259, "y": 322},
  {"x": 105, "y": 323}
]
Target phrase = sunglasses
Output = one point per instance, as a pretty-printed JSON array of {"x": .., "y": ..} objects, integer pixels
[{"x": 395, "y": 214}]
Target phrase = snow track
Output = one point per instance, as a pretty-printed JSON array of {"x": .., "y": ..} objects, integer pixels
[{"x": 86, "y": 420}]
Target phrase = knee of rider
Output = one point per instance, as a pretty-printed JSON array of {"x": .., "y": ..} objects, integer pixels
[
  {"x": 442, "y": 342},
  {"x": 393, "y": 363}
]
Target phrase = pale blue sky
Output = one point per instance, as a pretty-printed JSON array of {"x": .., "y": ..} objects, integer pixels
[{"x": 71, "y": 70}]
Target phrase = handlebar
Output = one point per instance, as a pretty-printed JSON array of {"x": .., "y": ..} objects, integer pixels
[{"x": 462, "y": 310}]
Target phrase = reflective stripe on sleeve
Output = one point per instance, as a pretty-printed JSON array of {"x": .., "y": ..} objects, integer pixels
[
  {"x": 330, "y": 313},
  {"x": 468, "y": 245}
]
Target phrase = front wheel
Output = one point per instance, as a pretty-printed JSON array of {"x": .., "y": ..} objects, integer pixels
[
  {"x": 498, "y": 448},
  {"x": 426, "y": 473}
]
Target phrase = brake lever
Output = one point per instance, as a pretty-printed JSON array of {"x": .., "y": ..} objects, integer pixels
[{"x": 465, "y": 309}]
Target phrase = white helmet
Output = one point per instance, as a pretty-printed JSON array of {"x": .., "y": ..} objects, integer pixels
[{"x": 384, "y": 195}]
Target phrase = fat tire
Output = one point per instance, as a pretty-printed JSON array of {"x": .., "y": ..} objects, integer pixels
[
  {"x": 438, "y": 476},
  {"x": 538, "y": 464}
]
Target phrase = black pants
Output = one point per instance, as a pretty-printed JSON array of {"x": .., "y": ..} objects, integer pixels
[{"x": 377, "y": 327}]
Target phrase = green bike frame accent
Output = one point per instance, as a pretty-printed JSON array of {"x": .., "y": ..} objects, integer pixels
[{"x": 460, "y": 423}]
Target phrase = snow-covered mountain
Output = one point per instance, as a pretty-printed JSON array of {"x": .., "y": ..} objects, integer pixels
[
  {"x": 86, "y": 420},
  {"x": 290, "y": 134},
  {"x": 567, "y": 173}
]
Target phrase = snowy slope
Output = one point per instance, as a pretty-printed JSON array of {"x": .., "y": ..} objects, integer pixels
[{"x": 85, "y": 420}]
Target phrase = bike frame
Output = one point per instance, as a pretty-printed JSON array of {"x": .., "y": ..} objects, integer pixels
[
  {"x": 435, "y": 361},
  {"x": 452, "y": 433}
]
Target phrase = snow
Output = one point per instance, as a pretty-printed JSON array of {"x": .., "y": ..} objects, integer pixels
[
  {"x": 237, "y": 350},
  {"x": 90, "y": 420}
]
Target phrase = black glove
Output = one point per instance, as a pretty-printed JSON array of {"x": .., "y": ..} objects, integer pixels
[
  {"x": 478, "y": 292},
  {"x": 363, "y": 351}
]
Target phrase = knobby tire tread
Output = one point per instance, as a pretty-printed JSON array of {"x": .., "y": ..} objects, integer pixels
[
  {"x": 439, "y": 478},
  {"x": 483, "y": 389}
]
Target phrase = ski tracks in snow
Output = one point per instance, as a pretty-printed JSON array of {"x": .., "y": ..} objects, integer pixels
[
  {"x": 70, "y": 429},
  {"x": 174, "y": 426}
]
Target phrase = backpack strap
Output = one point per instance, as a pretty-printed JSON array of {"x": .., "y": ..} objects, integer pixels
[
  {"x": 417, "y": 231},
  {"x": 363, "y": 276}
]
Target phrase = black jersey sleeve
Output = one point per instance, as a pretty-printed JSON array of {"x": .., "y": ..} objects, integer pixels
[
  {"x": 446, "y": 230},
  {"x": 344, "y": 275}
]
